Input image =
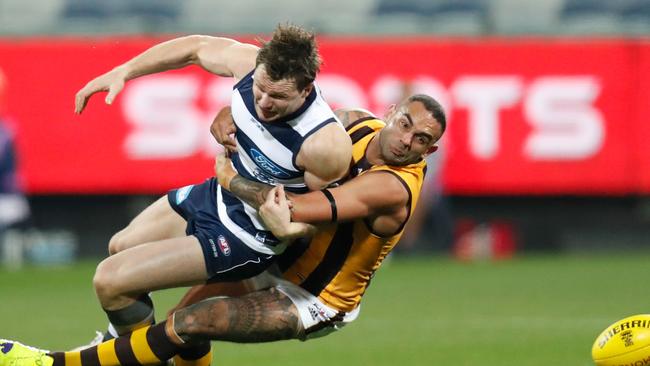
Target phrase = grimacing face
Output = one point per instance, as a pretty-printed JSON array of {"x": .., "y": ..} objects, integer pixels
[
  {"x": 276, "y": 99},
  {"x": 410, "y": 134}
]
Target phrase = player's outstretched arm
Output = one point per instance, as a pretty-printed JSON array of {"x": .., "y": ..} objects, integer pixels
[
  {"x": 372, "y": 195},
  {"x": 221, "y": 56}
]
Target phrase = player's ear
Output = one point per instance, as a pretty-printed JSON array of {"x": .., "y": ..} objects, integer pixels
[
  {"x": 305, "y": 92},
  {"x": 431, "y": 150},
  {"x": 390, "y": 111}
]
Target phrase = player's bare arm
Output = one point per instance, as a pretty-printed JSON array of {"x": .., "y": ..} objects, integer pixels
[
  {"x": 325, "y": 156},
  {"x": 220, "y": 56},
  {"x": 261, "y": 316},
  {"x": 377, "y": 196},
  {"x": 385, "y": 209},
  {"x": 251, "y": 192},
  {"x": 228, "y": 178}
]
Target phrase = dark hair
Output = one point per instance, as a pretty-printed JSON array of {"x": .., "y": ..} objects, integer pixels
[
  {"x": 432, "y": 106},
  {"x": 291, "y": 53}
]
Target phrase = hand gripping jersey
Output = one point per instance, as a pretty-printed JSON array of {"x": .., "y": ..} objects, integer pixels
[
  {"x": 266, "y": 152},
  {"x": 338, "y": 263}
]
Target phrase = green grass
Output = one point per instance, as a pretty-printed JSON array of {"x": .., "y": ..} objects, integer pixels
[{"x": 544, "y": 310}]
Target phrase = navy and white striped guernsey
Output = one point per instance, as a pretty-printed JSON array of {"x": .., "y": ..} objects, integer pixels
[{"x": 266, "y": 152}]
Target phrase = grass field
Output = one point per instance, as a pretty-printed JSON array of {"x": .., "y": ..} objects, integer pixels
[{"x": 540, "y": 310}]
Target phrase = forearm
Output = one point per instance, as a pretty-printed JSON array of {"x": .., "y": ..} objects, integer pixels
[{"x": 253, "y": 193}]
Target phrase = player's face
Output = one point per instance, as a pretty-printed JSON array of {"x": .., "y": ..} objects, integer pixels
[
  {"x": 276, "y": 99},
  {"x": 410, "y": 134}
]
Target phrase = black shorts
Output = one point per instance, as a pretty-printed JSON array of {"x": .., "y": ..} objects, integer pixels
[{"x": 226, "y": 257}]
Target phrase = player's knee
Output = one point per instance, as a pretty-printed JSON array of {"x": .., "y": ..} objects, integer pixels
[
  {"x": 117, "y": 243},
  {"x": 105, "y": 282}
]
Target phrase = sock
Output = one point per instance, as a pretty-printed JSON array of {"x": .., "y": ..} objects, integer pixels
[
  {"x": 145, "y": 346},
  {"x": 197, "y": 355},
  {"x": 130, "y": 318}
]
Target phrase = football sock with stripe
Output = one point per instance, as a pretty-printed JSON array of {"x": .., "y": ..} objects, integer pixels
[
  {"x": 197, "y": 355},
  {"x": 132, "y": 317},
  {"x": 145, "y": 346}
]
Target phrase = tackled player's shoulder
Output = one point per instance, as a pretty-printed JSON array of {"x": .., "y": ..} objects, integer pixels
[
  {"x": 348, "y": 116},
  {"x": 329, "y": 152}
]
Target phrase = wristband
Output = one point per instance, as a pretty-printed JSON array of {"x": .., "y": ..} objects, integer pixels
[{"x": 330, "y": 198}]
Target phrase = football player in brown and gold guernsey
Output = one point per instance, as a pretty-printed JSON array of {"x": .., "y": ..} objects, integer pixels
[{"x": 321, "y": 281}]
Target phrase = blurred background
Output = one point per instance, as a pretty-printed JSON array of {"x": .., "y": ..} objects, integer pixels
[
  {"x": 546, "y": 153},
  {"x": 545, "y": 150}
]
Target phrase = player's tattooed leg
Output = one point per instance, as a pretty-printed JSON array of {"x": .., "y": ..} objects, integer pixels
[{"x": 261, "y": 316}]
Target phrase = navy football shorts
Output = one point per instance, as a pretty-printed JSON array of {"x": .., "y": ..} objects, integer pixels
[{"x": 226, "y": 257}]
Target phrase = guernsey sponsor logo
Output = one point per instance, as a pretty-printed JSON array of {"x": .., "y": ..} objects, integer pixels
[{"x": 266, "y": 165}]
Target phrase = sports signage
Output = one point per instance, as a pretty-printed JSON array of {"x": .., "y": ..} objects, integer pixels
[{"x": 525, "y": 116}]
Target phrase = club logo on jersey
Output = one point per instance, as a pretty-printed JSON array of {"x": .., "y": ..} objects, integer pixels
[
  {"x": 6, "y": 347},
  {"x": 268, "y": 166},
  {"x": 223, "y": 245},
  {"x": 183, "y": 193}
]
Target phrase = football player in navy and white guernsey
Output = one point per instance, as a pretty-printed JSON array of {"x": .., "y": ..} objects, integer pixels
[{"x": 285, "y": 133}]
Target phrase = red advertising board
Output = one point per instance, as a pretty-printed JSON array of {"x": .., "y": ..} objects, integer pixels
[
  {"x": 525, "y": 116},
  {"x": 640, "y": 129}
]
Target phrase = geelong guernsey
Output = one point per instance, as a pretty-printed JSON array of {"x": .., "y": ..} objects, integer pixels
[{"x": 266, "y": 152}]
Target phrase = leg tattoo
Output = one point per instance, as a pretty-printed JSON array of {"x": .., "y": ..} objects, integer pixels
[{"x": 261, "y": 316}]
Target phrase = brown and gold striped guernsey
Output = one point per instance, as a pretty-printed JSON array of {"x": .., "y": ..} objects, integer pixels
[{"x": 340, "y": 260}]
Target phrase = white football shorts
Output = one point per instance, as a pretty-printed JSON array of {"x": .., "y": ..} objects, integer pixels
[{"x": 317, "y": 319}]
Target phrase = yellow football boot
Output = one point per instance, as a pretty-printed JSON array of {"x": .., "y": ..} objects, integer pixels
[{"x": 16, "y": 354}]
